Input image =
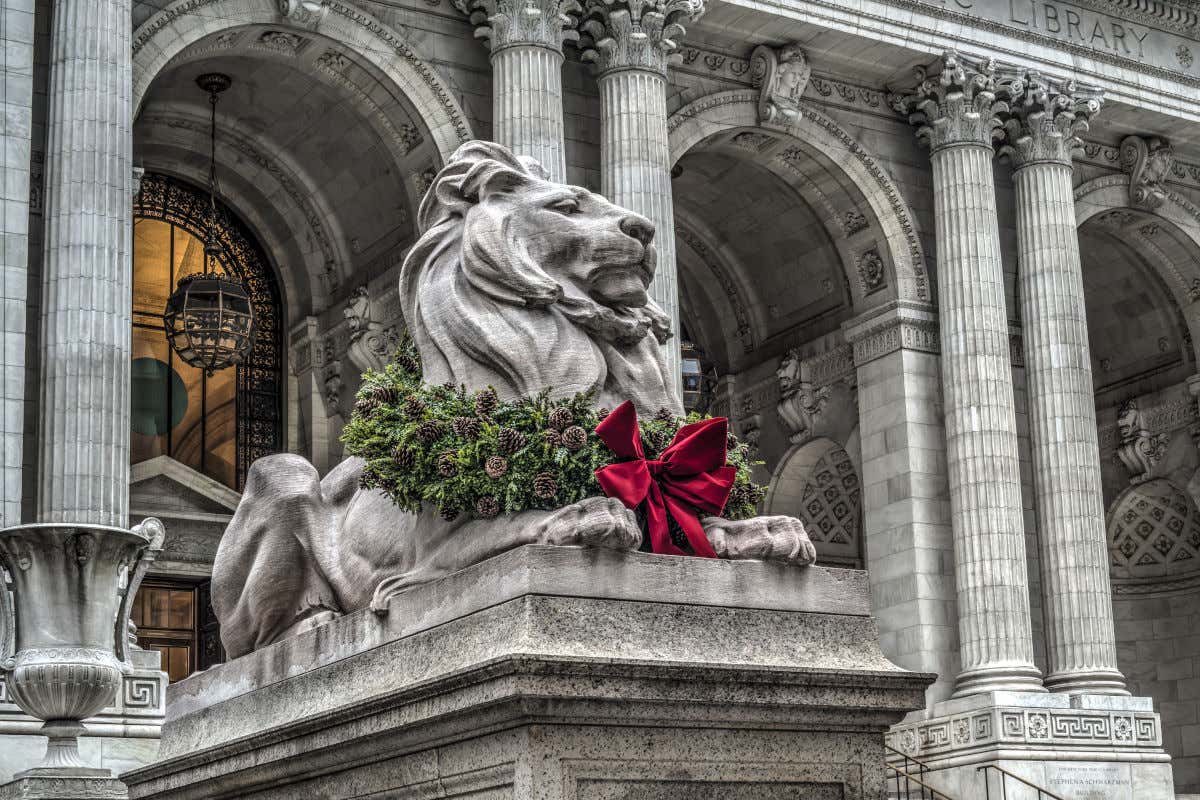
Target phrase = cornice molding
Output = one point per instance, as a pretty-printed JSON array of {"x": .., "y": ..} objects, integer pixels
[{"x": 898, "y": 325}]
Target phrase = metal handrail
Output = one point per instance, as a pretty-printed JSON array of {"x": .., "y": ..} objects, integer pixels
[
  {"x": 1004, "y": 784},
  {"x": 934, "y": 794},
  {"x": 908, "y": 757}
]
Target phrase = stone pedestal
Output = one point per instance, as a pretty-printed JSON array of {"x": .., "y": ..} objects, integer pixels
[
  {"x": 555, "y": 672},
  {"x": 69, "y": 786},
  {"x": 1080, "y": 747}
]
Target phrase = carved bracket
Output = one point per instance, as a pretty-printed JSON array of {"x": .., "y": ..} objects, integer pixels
[
  {"x": 1140, "y": 450},
  {"x": 1148, "y": 161},
  {"x": 780, "y": 75},
  {"x": 806, "y": 386}
]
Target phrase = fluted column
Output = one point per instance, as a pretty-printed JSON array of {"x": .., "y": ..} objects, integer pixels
[
  {"x": 87, "y": 291},
  {"x": 629, "y": 42},
  {"x": 1040, "y": 129},
  {"x": 955, "y": 114},
  {"x": 526, "y": 37}
]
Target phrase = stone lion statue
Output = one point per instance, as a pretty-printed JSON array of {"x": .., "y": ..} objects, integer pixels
[{"x": 515, "y": 282}]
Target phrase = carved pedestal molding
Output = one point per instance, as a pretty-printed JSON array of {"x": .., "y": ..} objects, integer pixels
[
  {"x": 956, "y": 115},
  {"x": 526, "y": 38},
  {"x": 629, "y": 41},
  {"x": 1041, "y": 129},
  {"x": 87, "y": 296},
  {"x": 1148, "y": 160}
]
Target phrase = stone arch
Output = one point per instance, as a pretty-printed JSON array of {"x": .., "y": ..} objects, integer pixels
[
  {"x": 1110, "y": 193},
  {"x": 185, "y": 22},
  {"x": 818, "y": 134},
  {"x": 818, "y": 483}
]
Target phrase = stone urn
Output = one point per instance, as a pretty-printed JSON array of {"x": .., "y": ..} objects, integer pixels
[{"x": 64, "y": 630}]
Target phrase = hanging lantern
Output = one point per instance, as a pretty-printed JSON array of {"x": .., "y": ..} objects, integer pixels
[{"x": 209, "y": 319}]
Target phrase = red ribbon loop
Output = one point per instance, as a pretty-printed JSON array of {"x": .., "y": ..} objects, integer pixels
[{"x": 689, "y": 476}]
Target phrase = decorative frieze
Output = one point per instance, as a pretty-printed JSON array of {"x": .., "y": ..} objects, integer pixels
[
  {"x": 1148, "y": 161},
  {"x": 1044, "y": 118},
  {"x": 1024, "y": 727},
  {"x": 901, "y": 326},
  {"x": 780, "y": 75}
]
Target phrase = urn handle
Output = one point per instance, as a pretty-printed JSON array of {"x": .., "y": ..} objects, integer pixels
[{"x": 146, "y": 557}]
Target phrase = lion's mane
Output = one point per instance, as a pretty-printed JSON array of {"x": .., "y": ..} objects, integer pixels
[{"x": 481, "y": 317}]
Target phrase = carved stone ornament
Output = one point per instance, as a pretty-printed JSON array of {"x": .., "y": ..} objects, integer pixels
[
  {"x": 639, "y": 34},
  {"x": 1044, "y": 118},
  {"x": 780, "y": 75},
  {"x": 331, "y": 378},
  {"x": 958, "y": 105},
  {"x": 1149, "y": 162},
  {"x": 507, "y": 23},
  {"x": 1140, "y": 450},
  {"x": 305, "y": 13},
  {"x": 370, "y": 341},
  {"x": 517, "y": 283},
  {"x": 871, "y": 271},
  {"x": 801, "y": 402}
]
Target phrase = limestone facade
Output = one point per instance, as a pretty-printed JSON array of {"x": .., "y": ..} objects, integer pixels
[{"x": 954, "y": 299}]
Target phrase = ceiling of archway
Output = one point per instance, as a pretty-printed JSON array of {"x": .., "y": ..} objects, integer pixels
[
  {"x": 773, "y": 250},
  {"x": 1135, "y": 329},
  {"x": 350, "y": 152}
]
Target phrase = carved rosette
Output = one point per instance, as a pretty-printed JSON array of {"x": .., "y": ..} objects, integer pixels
[
  {"x": 957, "y": 106},
  {"x": 510, "y": 23},
  {"x": 1044, "y": 118},
  {"x": 635, "y": 34},
  {"x": 1148, "y": 162}
]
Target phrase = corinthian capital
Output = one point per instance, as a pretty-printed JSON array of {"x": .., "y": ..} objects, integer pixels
[
  {"x": 1044, "y": 118},
  {"x": 958, "y": 105},
  {"x": 505, "y": 23},
  {"x": 635, "y": 34}
]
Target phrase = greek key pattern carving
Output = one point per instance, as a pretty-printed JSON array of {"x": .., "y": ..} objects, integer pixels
[
  {"x": 141, "y": 692},
  {"x": 142, "y": 696},
  {"x": 1023, "y": 726}
]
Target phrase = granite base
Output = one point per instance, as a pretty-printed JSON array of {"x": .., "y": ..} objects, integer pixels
[
  {"x": 554, "y": 673},
  {"x": 1079, "y": 747},
  {"x": 67, "y": 784}
]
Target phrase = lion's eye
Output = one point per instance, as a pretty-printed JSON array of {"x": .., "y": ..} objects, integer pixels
[{"x": 565, "y": 207}]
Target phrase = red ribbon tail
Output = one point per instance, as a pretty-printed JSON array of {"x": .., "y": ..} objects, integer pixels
[
  {"x": 691, "y": 528},
  {"x": 657, "y": 526}
]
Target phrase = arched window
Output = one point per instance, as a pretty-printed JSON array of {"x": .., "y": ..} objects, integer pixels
[{"x": 217, "y": 424}]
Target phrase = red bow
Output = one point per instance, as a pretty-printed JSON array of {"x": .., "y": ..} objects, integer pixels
[{"x": 690, "y": 475}]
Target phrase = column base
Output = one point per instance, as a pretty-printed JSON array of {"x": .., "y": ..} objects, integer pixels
[
  {"x": 64, "y": 784},
  {"x": 1101, "y": 681},
  {"x": 1080, "y": 747},
  {"x": 1015, "y": 677}
]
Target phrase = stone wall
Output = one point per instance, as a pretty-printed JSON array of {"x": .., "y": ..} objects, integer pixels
[{"x": 1158, "y": 649}]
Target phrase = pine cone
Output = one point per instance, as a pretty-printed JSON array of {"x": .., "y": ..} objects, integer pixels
[
  {"x": 657, "y": 440},
  {"x": 446, "y": 466},
  {"x": 663, "y": 415},
  {"x": 448, "y": 514},
  {"x": 366, "y": 406},
  {"x": 414, "y": 407},
  {"x": 511, "y": 440},
  {"x": 449, "y": 386},
  {"x": 486, "y": 402},
  {"x": 466, "y": 427},
  {"x": 552, "y": 438},
  {"x": 602, "y": 414},
  {"x": 430, "y": 431},
  {"x": 366, "y": 480},
  {"x": 408, "y": 364},
  {"x": 487, "y": 507},
  {"x": 404, "y": 458},
  {"x": 731, "y": 443},
  {"x": 496, "y": 466},
  {"x": 386, "y": 395},
  {"x": 560, "y": 418},
  {"x": 545, "y": 486},
  {"x": 574, "y": 437}
]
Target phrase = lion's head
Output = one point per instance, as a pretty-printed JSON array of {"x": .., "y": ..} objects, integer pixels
[{"x": 525, "y": 284}]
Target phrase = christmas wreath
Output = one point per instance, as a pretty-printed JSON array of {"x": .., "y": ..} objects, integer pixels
[{"x": 467, "y": 452}]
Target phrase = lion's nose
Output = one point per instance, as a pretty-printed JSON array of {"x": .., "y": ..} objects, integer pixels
[{"x": 638, "y": 227}]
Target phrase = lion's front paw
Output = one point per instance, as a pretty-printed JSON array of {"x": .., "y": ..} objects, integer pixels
[
  {"x": 781, "y": 539},
  {"x": 593, "y": 521}
]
